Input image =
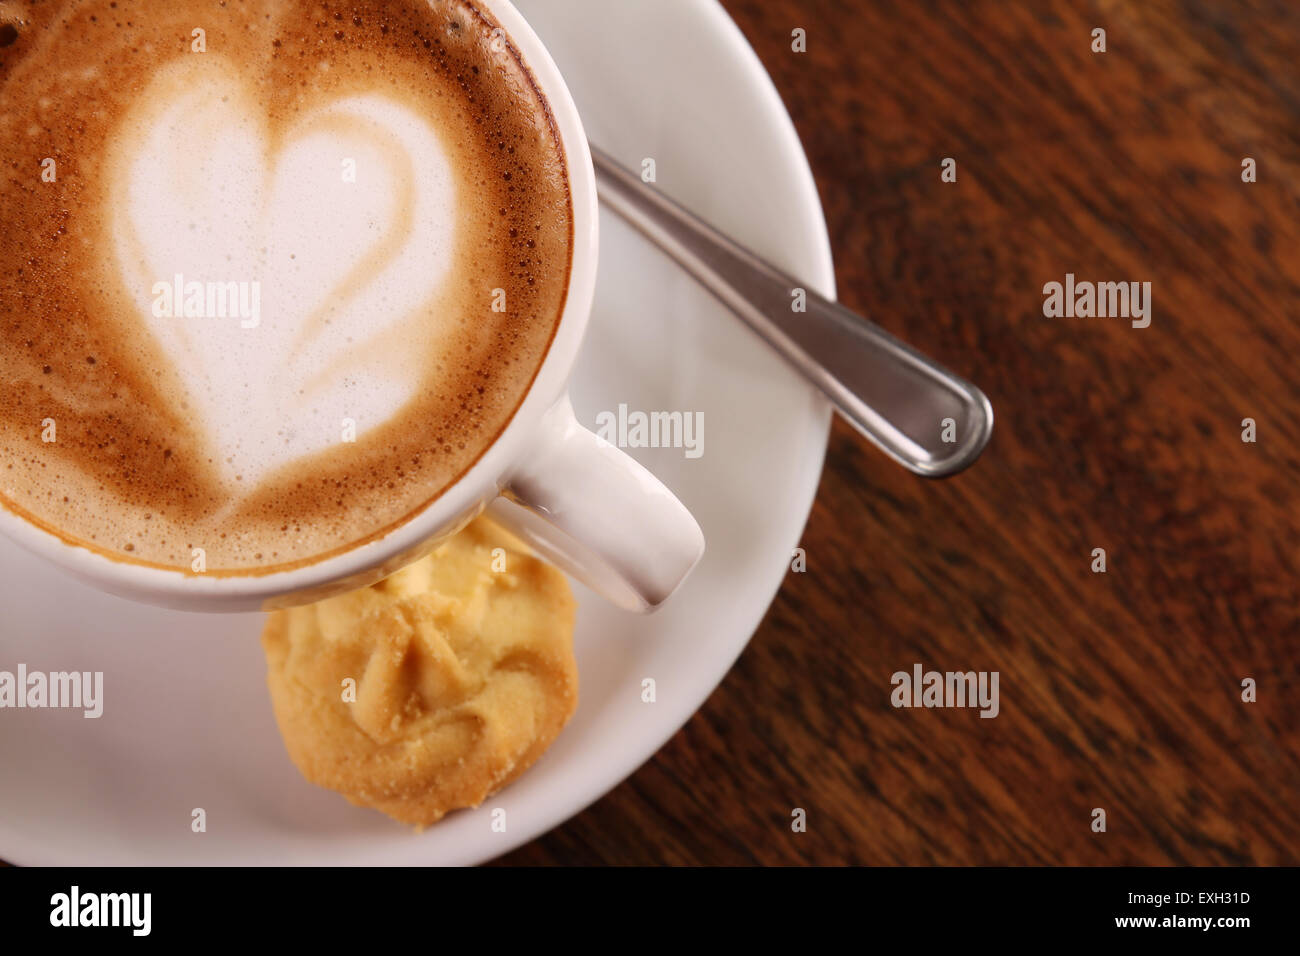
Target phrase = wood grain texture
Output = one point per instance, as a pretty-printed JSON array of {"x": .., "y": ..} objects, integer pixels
[{"x": 1118, "y": 690}]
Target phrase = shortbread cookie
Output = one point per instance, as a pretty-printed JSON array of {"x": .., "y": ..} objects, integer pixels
[{"x": 433, "y": 688}]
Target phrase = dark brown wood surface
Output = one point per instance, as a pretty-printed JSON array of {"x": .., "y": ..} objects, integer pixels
[{"x": 1121, "y": 690}]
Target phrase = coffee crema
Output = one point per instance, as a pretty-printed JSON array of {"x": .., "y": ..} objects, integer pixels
[{"x": 273, "y": 275}]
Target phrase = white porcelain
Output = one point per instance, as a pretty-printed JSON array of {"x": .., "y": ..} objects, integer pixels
[
  {"x": 608, "y": 521},
  {"x": 187, "y": 721}
]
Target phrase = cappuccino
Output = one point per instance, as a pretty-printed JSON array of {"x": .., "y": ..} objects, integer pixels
[{"x": 273, "y": 275}]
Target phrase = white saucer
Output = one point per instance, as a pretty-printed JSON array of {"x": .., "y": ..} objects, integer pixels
[{"x": 187, "y": 722}]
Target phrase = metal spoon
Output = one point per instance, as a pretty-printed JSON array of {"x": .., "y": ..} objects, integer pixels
[{"x": 927, "y": 419}]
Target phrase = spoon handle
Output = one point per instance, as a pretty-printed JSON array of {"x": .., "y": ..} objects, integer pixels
[{"x": 895, "y": 396}]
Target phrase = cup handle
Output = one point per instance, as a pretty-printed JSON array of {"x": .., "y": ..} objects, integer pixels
[{"x": 583, "y": 504}]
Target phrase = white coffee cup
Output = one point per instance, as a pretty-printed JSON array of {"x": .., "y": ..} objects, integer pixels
[{"x": 575, "y": 498}]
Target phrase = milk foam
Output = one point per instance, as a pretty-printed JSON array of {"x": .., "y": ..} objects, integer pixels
[
  {"x": 376, "y": 297},
  {"x": 347, "y": 270}
]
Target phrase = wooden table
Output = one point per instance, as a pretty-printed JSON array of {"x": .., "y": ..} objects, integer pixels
[{"x": 1119, "y": 690}]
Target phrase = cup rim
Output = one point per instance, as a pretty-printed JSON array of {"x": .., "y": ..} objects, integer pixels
[{"x": 466, "y": 496}]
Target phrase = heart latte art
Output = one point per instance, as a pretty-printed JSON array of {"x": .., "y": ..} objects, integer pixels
[
  {"x": 342, "y": 234},
  {"x": 273, "y": 275}
]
